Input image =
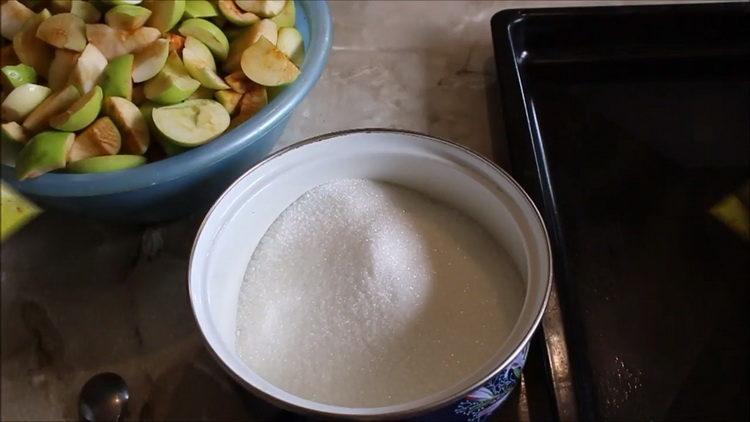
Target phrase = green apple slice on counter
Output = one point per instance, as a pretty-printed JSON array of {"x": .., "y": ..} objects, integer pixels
[
  {"x": 264, "y": 28},
  {"x": 61, "y": 68},
  {"x": 200, "y": 9},
  {"x": 263, "y": 63},
  {"x": 264, "y": 8},
  {"x": 106, "y": 163},
  {"x": 15, "y": 76},
  {"x": 100, "y": 138},
  {"x": 88, "y": 69},
  {"x": 31, "y": 50},
  {"x": 131, "y": 124},
  {"x": 199, "y": 62},
  {"x": 164, "y": 14},
  {"x": 44, "y": 152},
  {"x": 290, "y": 43},
  {"x": 150, "y": 60},
  {"x": 15, "y": 211},
  {"x": 13, "y": 15},
  {"x": 51, "y": 106},
  {"x": 22, "y": 101},
  {"x": 173, "y": 83},
  {"x": 234, "y": 14},
  {"x": 64, "y": 30},
  {"x": 85, "y": 10},
  {"x": 191, "y": 123},
  {"x": 116, "y": 79},
  {"x": 127, "y": 17},
  {"x": 286, "y": 17},
  {"x": 13, "y": 132},
  {"x": 81, "y": 113},
  {"x": 207, "y": 33}
]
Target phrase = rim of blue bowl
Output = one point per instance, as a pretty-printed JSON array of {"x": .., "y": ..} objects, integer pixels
[{"x": 181, "y": 165}]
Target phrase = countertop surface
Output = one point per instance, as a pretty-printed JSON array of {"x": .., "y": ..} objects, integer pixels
[{"x": 81, "y": 297}]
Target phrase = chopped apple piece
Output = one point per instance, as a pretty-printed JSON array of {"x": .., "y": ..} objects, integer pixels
[
  {"x": 200, "y": 64},
  {"x": 61, "y": 68},
  {"x": 150, "y": 60},
  {"x": 15, "y": 76},
  {"x": 251, "y": 103},
  {"x": 165, "y": 14},
  {"x": 116, "y": 80},
  {"x": 200, "y": 9},
  {"x": 287, "y": 16},
  {"x": 263, "y": 63},
  {"x": 127, "y": 17},
  {"x": 239, "y": 82},
  {"x": 64, "y": 30},
  {"x": 88, "y": 69},
  {"x": 13, "y": 15},
  {"x": 116, "y": 42},
  {"x": 85, "y": 10},
  {"x": 13, "y": 132},
  {"x": 173, "y": 83},
  {"x": 44, "y": 152},
  {"x": 208, "y": 34},
  {"x": 130, "y": 122},
  {"x": 236, "y": 15},
  {"x": 51, "y": 106},
  {"x": 22, "y": 101},
  {"x": 101, "y": 138},
  {"x": 191, "y": 123},
  {"x": 80, "y": 114},
  {"x": 265, "y": 28},
  {"x": 30, "y": 49},
  {"x": 229, "y": 99},
  {"x": 290, "y": 43}
]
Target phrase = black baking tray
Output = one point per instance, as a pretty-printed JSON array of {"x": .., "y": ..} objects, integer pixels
[{"x": 626, "y": 125}]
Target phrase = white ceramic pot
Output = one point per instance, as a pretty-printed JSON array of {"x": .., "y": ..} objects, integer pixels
[{"x": 439, "y": 169}]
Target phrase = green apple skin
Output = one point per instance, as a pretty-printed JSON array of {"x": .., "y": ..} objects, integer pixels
[
  {"x": 15, "y": 76},
  {"x": 234, "y": 14},
  {"x": 44, "y": 152},
  {"x": 264, "y": 64},
  {"x": 31, "y": 50},
  {"x": 287, "y": 16},
  {"x": 208, "y": 34},
  {"x": 172, "y": 85},
  {"x": 127, "y": 17},
  {"x": 106, "y": 163},
  {"x": 164, "y": 14},
  {"x": 81, "y": 113},
  {"x": 116, "y": 80},
  {"x": 169, "y": 148},
  {"x": 200, "y": 9},
  {"x": 22, "y": 101}
]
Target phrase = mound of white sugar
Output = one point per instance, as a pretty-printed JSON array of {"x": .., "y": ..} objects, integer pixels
[{"x": 367, "y": 294}]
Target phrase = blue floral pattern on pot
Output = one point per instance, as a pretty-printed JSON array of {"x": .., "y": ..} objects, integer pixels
[{"x": 481, "y": 403}]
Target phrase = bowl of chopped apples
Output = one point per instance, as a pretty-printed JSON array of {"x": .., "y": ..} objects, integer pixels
[{"x": 145, "y": 110}]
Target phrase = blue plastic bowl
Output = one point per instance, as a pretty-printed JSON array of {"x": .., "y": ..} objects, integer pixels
[{"x": 176, "y": 186}]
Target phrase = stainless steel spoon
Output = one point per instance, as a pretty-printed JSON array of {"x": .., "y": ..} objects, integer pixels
[{"x": 104, "y": 397}]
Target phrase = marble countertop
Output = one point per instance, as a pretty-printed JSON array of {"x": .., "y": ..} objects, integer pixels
[{"x": 81, "y": 297}]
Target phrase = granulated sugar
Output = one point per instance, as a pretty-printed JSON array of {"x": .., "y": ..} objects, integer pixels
[{"x": 368, "y": 294}]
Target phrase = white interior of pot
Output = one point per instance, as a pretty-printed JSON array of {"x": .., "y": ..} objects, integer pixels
[{"x": 440, "y": 170}]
